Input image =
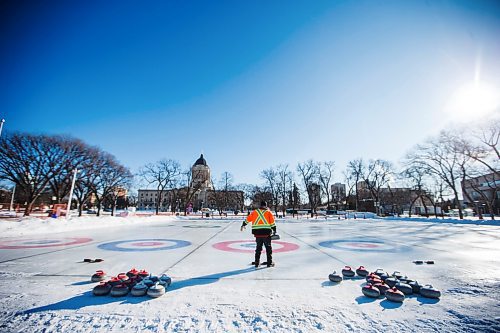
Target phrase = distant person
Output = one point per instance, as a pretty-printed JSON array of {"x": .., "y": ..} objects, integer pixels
[{"x": 263, "y": 226}]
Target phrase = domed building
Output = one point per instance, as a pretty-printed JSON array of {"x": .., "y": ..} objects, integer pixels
[{"x": 199, "y": 193}]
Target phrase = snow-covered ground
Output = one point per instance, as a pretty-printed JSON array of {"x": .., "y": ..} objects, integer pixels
[{"x": 45, "y": 285}]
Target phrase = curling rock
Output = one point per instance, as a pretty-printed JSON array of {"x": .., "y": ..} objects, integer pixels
[
  {"x": 374, "y": 281},
  {"x": 404, "y": 288},
  {"x": 123, "y": 277},
  {"x": 391, "y": 281},
  {"x": 372, "y": 276},
  {"x": 334, "y": 277},
  {"x": 132, "y": 273},
  {"x": 394, "y": 295},
  {"x": 139, "y": 289},
  {"x": 361, "y": 271},
  {"x": 384, "y": 276},
  {"x": 405, "y": 279},
  {"x": 101, "y": 289},
  {"x": 397, "y": 275},
  {"x": 98, "y": 276},
  {"x": 382, "y": 287},
  {"x": 119, "y": 290},
  {"x": 429, "y": 291},
  {"x": 370, "y": 291},
  {"x": 415, "y": 286},
  {"x": 156, "y": 290},
  {"x": 148, "y": 282},
  {"x": 114, "y": 281},
  {"x": 347, "y": 272},
  {"x": 165, "y": 280},
  {"x": 379, "y": 271},
  {"x": 143, "y": 273}
]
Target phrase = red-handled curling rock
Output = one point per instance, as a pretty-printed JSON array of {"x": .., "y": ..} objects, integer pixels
[
  {"x": 382, "y": 287},
  {"x": 156, "y": 290},
  {"x": 139, "y": 289},
  {"x": 361, "y": 271},
  {"x": 132, "y": 273},
  {"x": 391, "y": 281},
  {"x": 103, "y": 288},
  {"x": 372, "y": 276},
  {"x": 370, "y": 291},
  {"x": 374, "y": 281},
  {"x": 404, "y": 288},
  {"x": 98, "y": 276},
  {"x": 119, "y": 290},
  {"x": 143, "y": 273},
  {"x": 165, "y": 280},
  {"x": 415, "y": 286},
  {"x": 114, "y": 281},
  {"x": 335, "y": 277},
  {"x": 347, "y": 272},
  {"x": 394, "y": 295},
  {"x": 429, "y": 291},
  {"x": 123, "y": 277}
]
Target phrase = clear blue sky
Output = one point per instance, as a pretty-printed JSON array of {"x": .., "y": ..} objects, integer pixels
[{"x": 251, "y": 84}]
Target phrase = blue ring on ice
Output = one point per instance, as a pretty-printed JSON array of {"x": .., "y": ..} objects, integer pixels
[
  {"x": 115, "y": 246},
  {"x": 363, "y": 245}
]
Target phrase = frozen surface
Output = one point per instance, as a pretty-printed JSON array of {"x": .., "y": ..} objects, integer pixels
[{"x": 45, "y": 285}]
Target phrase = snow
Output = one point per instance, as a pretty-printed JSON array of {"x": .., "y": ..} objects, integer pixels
[{"x": 48, "y": 289}]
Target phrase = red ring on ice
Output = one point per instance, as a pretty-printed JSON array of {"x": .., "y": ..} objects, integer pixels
[
  {"x": 226, "y": 246},
  {"x": 34, "y": 243}
]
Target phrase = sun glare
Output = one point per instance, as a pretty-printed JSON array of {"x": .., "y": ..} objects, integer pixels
[{"x": 473, "y": 100}]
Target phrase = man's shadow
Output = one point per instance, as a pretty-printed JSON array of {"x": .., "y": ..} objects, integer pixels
[
  {"x": 88, "y": 299},
  {"x": 207, "y": 279}
]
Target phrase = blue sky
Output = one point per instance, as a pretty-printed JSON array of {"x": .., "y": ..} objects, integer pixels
[{"x": 250, "y": 84}]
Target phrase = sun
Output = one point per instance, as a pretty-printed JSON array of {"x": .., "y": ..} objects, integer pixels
[{"x": 473, "y": 100}]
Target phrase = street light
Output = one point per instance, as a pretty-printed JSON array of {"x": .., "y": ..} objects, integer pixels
[
  {"x": 68, "y": 209},
  {"x": 1, "y": 126}
]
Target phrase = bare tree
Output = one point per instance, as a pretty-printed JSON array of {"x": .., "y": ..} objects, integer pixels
[
  {"x": 354, "y": 173},
  {"x": 271, "y": 179},
  {"x": 284, "y": 179},
  {"x": 325, "y": 179},
  {"x": 379, "y": 173},
  {"x": 437, "y": 156},
  {"x": 31, "y": 161},
  {"x": 162, "y": 175},
  {"x": 309, "y": 172}
]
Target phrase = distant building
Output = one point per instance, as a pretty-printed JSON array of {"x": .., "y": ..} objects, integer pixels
[
  {"x": 483, "y": 193},
  {"x": 199, "y": 194}
]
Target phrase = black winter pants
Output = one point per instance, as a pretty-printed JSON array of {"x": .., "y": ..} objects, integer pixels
[{"x": 266, "y": 241}]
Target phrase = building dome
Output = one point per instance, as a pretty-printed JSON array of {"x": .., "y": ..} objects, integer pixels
[{"x": 201, "y": 161}]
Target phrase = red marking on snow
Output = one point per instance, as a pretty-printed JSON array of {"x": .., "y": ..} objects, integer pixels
[
  {"x": 72, "y": 241},
  {"x": 226, "y": 246},
  {"x": 147, "y": 244}
]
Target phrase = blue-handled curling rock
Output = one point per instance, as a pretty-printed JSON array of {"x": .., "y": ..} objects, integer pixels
[
  {"x": 404, "y": 288},
  {"x": 430, "y": 292},
  {"x": 397, "y": 275},
  {"x": 156, "y": 290},
  {"x": 391, "y": 281},
  {"x": 334, "y": 277},
  {"x": 370, "y": 291},
  {"x": 394, "y": 295},
  {"x": 415, "y": 286},
  {"x": 139, "y": 289}
]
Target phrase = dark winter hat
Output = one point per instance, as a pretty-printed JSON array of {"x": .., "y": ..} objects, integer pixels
[{"x": 263, "y": 203}]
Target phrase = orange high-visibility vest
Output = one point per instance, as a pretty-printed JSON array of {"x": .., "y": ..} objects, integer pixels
[{"x": 261, "y": 219}]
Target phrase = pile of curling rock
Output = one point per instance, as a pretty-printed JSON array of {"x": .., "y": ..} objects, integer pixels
[
  {"x": 138, "y": 283},
  {"x": 394, "y": 287}
]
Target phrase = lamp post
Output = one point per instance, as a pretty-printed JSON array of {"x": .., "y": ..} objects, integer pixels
[
  {"x": 1, "y": 126},
  {"x": 12, "y": 198},
  {"x": 68, "y": 209}
]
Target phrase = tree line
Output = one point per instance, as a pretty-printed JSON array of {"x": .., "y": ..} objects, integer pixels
[{"x": 433, "y": 170}]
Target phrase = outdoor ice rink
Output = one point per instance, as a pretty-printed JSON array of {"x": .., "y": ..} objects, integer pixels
[{"x": 45, "y": 286}]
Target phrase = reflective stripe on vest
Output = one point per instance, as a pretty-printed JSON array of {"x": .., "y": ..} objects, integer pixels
[{"x": 261, "y": 221}]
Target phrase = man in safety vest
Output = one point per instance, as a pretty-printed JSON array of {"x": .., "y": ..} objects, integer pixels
[{"x": 263, "y": 226}]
